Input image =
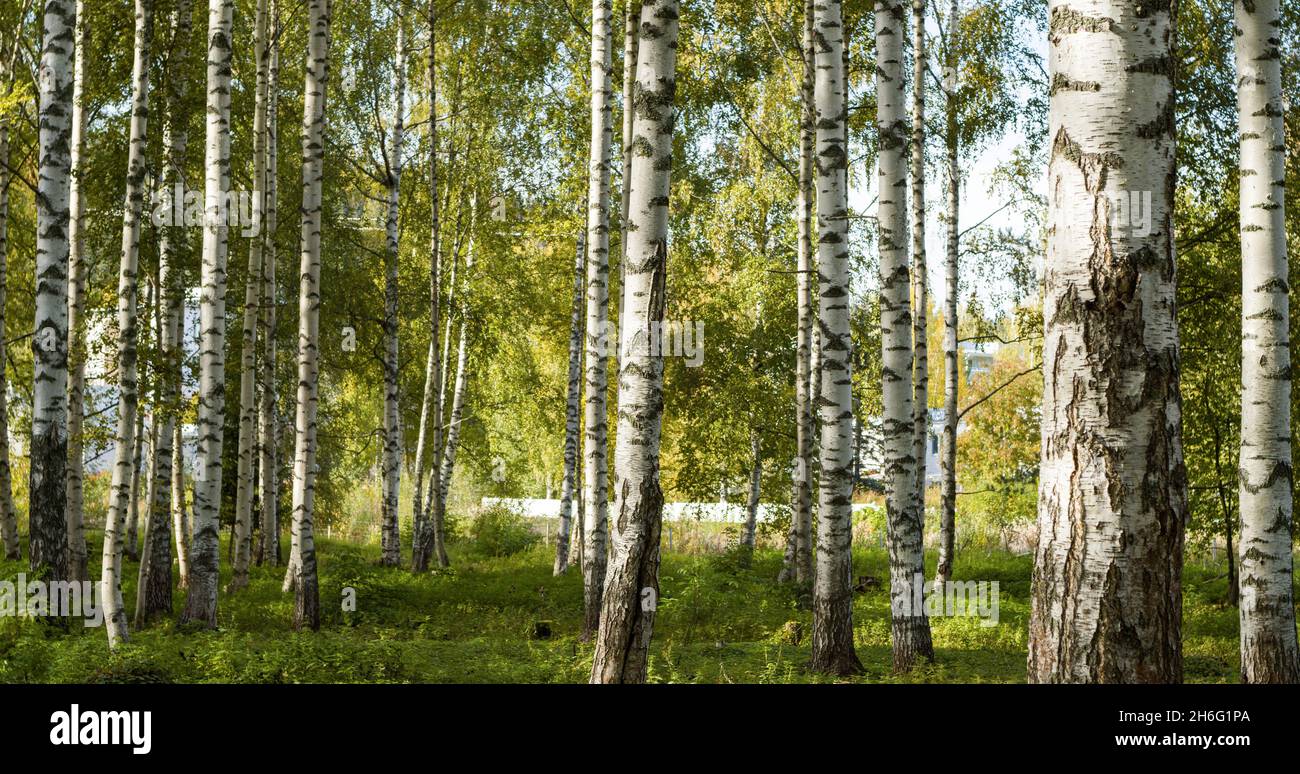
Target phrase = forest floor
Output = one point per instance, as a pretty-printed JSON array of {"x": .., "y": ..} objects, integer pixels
[{"x": 718, "y": 621}]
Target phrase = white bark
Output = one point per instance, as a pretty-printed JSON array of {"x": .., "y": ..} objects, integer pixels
[
  {"x": 244, "y": 481},
  {"x": 8, "y": 515},
  {"x": 392, "y": 463},
  {"x": 77, "y": 551},
  {"x": 920, "y": 280},
  {"x": 910, "y": 627},
  {"x": 569, "y": 490},
  {"x": 628, "y": 606},
  {"x": 832, "y": 649},
  {"x": 748, "y": 536},
  {"x": 48, "y": 526},
  {"x": 798, "y": 565},
  {"x": 595, "y": 476},
  {"x": 1112, "y": 498},
  {"x": 302, "y": 564},
  {"x": 1269, "y": 651},
  {"x": 268, "y": 548},
  {"x": 951, "y": 376},
  {"x": 201, "y": 602},
  {"x": 126, "y": 457}
]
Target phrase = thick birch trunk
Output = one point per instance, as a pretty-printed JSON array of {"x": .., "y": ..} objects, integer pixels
[
  {"x": 78, "y": 554},
  {"x": 832, "y": 649},
  {"x": 910, "y": 627},
  {"x": 268, "y": 550},
  {"x": 126, "y": 457},
  {"x": 48, "y": 538},
  {"x": 1112, "y": 497},
  {"x": 570, "y": 487},
  {"x": 595, "y": 527},
  {"x": 951, "y": 376},
  {"x": 302, "y": 564},
  {"x": 1268, "y": 635},
  {"x": 392, "y": 464},
  {"x": 798, "y": 554},
  {"x": 920, "y": 280},
  {"x": 201, "y": 602},
  {"x": 631, "y": 588},
  {"x": 244, "y": 482}
]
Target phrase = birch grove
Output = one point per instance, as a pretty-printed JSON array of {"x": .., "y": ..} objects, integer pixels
[
  {"x": 631, "y": 587},
  {"x": 1268, "y": 629},
  {"x": 747, "y": 502},
  {"x": 1107, "y": 597}
]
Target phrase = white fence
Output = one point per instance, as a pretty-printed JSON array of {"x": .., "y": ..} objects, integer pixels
[{"x": 730, "y": 513}]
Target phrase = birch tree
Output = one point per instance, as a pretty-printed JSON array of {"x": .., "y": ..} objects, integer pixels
[
  {"x": 430, "y": 437},
  {"x": 595, "y": 472},
  {"x": 48, "y": 524},
  {"x": 910, "y": 628},
  {"x": 248, "y": 406},
  {"x": 632, "y": 585},
  {"x": 798, "y": 553},
  {"x": 569, "y": 490},
  {"x": 127, "y": 443},
  {"x": 268, "y": 422},
  {"x": 8, "y": 515},
  {"x": 920, "y": 290},
  {"x": 951, "y": 376},
  {"x": 301, "y": 576},
  {"x": 77, "y": 552},
  {"x": 1107, "y": 595},
  {"x": 392, "y": 464},
  {"x": 832, "y": 649},
  {"x": 201, "y": 601},
  {"x": 1267, "y": 606}
]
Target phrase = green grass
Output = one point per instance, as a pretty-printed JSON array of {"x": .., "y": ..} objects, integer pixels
[{"x": 717, "y": 622}]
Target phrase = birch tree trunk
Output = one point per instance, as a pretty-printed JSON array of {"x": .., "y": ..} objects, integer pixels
[
  {"x": 48, "y": 496},
  {"x": 951, "y": 376},
  {"x": 632, "y": 586},
  {"x": 181, "y": 525},
  {"x": 268, "y": 423},
  {"x": 390, "y": 537},
  {"x": 595, "y": 528},
  {"x": 8, "y": 515},
  {"x": 154, "y": 582},
  {"x": 439, "y": 506},
  {"x": 302, "y": 564},
  {"x": 920, "y": 280},
  {"x": 201, "y": 601},
  {"x": 78, "y": 555},
  {"x": 131, "y": 539},
  {"x": 747, "y": 538},
  {"x": 631, "y": 25},
  {"x": 126, "y": 457},
  {"x": 832, "y": 649},
  {"x": 248, "y": 408},
  {"x": 1268, "y": 634},
  {"x": 910, "y": 627},
  {"x": 1107, "y": 595},
  {"x": 431, "y": 406},
  {"x": 798, "y": 553},
  {"x": 570, "y": 487}
]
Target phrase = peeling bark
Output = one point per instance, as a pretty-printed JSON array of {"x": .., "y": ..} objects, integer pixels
[{"x": 570, "y": 491}]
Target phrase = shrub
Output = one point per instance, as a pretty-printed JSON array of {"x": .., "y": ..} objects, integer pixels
[{"x": 499, "y": 531}]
